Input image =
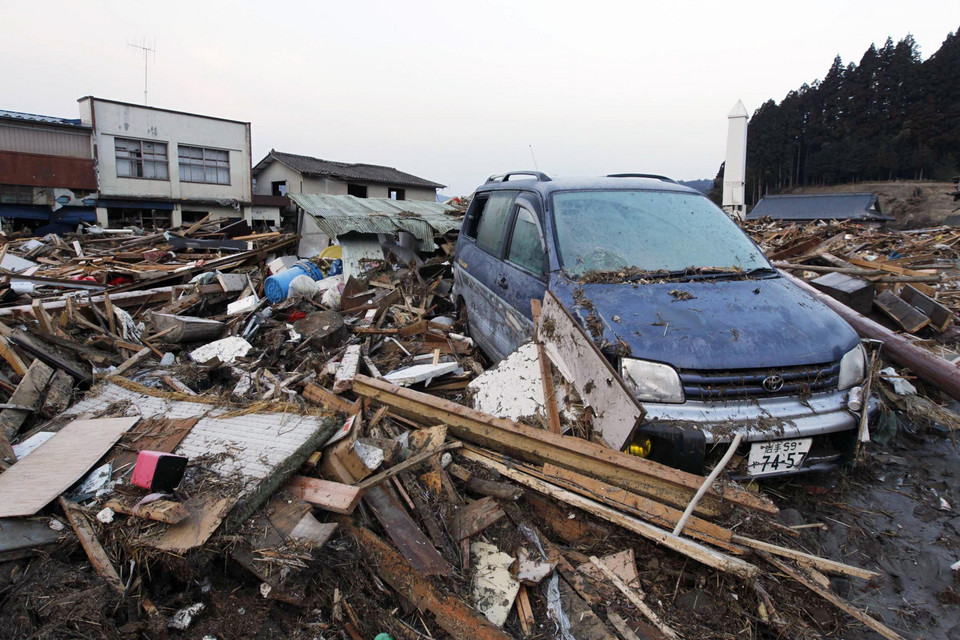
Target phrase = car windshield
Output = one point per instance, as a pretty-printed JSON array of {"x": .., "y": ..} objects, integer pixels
[{"x": 649, "y": 233}]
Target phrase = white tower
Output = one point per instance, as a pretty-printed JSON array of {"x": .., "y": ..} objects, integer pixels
[{"x": 735, "y": 167}]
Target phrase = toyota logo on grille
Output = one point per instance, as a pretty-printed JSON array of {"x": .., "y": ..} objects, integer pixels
[{"x": 773, "y": 383}]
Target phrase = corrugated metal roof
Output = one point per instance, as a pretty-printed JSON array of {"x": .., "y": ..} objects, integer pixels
[
  {"x": 337, "y": 215},
  {"x": 357, "y": 171},
  {"x": 825, "y": 206},
  {"x": 32, "y": 117}
]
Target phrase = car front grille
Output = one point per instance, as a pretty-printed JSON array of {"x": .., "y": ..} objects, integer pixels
[{"x": 804, "y": 380}]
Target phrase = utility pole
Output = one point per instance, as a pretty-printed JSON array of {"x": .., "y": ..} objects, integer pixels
[{"x": 146, "y": 57}]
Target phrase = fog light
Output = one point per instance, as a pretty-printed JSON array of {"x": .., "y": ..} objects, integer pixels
[{"x": 641, "y": 448}]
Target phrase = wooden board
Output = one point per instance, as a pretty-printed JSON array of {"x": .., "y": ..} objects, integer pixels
[
  {"x": 401, "y": 528},
  {"x": 475, "y": 517},
  {"x": 348, "y": 369},
  {"x": 909, "y": 319},
  {"x": 152, "y": 434},
  {"x": 940, "y": 316},
  {"x": 538, "y": 446},
  {"x": 616, "y": 412},
  {"x": 30, "y": 484},
  {"x": 329, "y": 496}
]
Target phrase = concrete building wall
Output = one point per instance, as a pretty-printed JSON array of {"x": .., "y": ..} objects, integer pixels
[
  {"x": 112, "y": 120},
  {"x": 50, "y": 141}
]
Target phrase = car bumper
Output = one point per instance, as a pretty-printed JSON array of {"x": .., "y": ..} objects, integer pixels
[
  {"x": 761, "y": 419},
  {"x": 691, "y": 435}
]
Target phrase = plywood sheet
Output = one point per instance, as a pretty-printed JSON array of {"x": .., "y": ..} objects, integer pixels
[
  {"x": 34, "y": 481},
  {"x": 616, "y": 411}
]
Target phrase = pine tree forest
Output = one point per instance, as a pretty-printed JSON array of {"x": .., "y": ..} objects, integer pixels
[{"x": 891, "y": 116}]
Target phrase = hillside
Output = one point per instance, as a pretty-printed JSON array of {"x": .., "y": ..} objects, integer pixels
[{"x": 914, "y": 204}]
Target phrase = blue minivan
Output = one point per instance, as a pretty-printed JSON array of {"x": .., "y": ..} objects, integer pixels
[{"x": 707, "y": 334}]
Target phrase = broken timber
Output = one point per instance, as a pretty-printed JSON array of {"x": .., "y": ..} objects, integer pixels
[
  {"x": 453, "y": 616},
  {"x": 639, "y": 475},
  {"x": 329, "y": 496},
  {"x": 684, "y": 546}
]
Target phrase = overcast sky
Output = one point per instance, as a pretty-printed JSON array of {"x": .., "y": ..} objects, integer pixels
[{"x": 449, "y": 91}]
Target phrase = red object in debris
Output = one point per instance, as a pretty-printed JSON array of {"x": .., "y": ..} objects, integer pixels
[
  {"x": 119, "y": 280},
  {"x": 296, "y": 314},
  {"x": 158, "y": 470},
  {"x": 83, "y": 279}
]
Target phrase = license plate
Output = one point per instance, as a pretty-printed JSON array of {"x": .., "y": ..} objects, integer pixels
[{"x": 778, "y": 456}]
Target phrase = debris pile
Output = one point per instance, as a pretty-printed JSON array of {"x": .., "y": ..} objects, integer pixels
[{"x": 340, "y": 463}]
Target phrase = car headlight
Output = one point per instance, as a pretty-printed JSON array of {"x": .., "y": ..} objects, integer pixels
[
  {"x": 853, "y": 366},
  {"x": 651, "y": 381}
]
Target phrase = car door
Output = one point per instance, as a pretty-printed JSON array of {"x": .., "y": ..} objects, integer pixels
[
  {"x": 523, "y": 271},
  {"x": 478, "y": 265}
]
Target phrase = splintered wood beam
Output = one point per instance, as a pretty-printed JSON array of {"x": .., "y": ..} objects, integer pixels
[
  {"x": 451, "y": 613},
  {"x": 835, "y": 600},
  {"x": 538, "y": 446},
  {"x": 12, "y": 357},
  {"x": 909, "y": 318},
  {"x": 635, "y": 598},
  {"x": 132, "y": 361},
  {"x": 546, "y": 374},
  {"x": 27, "y": 394},
  {"x": 88, "y": 539},
  {"x": 406, "y": 464},
  {"x": 821, "y": 564},
  {"x": 348, "y": 369},
  {"x": 684, "y": 546},
  {"x": 161, "y": 510}
]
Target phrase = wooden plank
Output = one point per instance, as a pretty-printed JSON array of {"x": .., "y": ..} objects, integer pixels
[
  {"x": 646, "y": 508},
  {"x": 47, "y": 352},
  {"x": 343, "y": 380},
  {"x": 27, "y": 394},
  {"x": 166, "y": 511},
  {"x": 152, "y": 434},
  {"x": 31, "y": 483},
  {"x": 684, "y": 546},
  {"x": 939, "y": 315},
  {"x": 43, "y": 319},
  {"x": 621, "y": 626},
  {"x": 325, "y": 398},
  {"x": 538, "y": 446},
  {"x": 616, "y": 411},
  {"x": 406, "y": 464},
  {"x": 95, "y": 552},
  {"x": 838, "y": 602},
  {"x": 818, "y": 563},
  {"x": 176, "y": 385},
  {"x": 12, "y": 357},
  {"x": 525, "y": 612},
  {"x": 403, "y": 531},
  {"x": 546, "y": 374},
  {"x": 132, "y": 361},
  {"x": 909, "y": 318},
  {"x": 111, "y": 316},
  {"x": 475, "y": 517},
  {"x": 451, "y": 614},
  {"x": 329, "y": 496},
  {"x": 890, "y": 268},
  {"x": 635, "y": 598}
]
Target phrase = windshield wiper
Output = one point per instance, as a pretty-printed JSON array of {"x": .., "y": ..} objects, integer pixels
[{"x": 761, "y": 272}]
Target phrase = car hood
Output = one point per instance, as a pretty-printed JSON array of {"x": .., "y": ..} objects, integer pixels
[{"x": 712, "y": 324}]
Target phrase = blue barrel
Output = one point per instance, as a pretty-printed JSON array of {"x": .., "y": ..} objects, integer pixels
[{"x": 277, "y": 287}]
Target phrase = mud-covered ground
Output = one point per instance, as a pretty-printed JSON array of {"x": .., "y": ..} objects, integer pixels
[{"x": 898, "y": 513}]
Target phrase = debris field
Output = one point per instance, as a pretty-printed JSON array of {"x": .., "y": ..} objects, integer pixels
[{"x": 184, "y": 457}]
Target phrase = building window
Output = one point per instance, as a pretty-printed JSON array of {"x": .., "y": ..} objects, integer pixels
[
  {"x": 197, "y": 164},
  {"x": 396, "y": 193},
  {"x": 357, "y": 190},
  {"x": 141, "y": 159},
  {"x": 279, "y": 188}
]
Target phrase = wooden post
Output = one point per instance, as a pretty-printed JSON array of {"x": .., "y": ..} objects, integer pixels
[{"x": 546, "y": 374}]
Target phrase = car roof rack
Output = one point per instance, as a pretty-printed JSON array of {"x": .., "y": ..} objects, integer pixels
[
  {"x": 539, "y": 175},
  {"x": 642, "y": 175}
]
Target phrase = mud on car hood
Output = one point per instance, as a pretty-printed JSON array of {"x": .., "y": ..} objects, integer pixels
[{"x": 711, "y": 324}]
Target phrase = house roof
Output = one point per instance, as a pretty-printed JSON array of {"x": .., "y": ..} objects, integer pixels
[
  {"x": 33, "y": 117},
  {"x": 828, "y": 206},
  {"x": 357, "y": 171},
  {"x": 337, "y": 215}
]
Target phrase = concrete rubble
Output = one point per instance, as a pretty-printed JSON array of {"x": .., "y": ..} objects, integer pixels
[{"x": 355, "y": 467}]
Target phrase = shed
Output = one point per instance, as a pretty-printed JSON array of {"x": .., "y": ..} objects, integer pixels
[
  {"x": 827, "y": 206},
  {"x": 325, "y": 217}
]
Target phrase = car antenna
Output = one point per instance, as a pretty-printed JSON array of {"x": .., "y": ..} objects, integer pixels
[{"x": 534, "y": 158}]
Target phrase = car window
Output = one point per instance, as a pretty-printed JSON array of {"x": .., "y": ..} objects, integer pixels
[
  {"x": 525, "y": 248},
  {"x": 492, "y": 221}
]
